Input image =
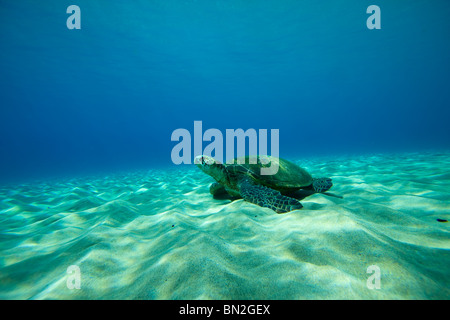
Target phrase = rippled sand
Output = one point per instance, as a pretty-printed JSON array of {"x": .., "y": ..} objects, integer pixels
[{"x": 161, "y": 235}]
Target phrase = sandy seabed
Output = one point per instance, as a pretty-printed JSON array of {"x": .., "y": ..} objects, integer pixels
[{"x": 161, "y": 235}]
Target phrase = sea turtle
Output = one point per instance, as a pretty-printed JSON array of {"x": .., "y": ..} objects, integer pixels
[{"x": 243, "y": 178}]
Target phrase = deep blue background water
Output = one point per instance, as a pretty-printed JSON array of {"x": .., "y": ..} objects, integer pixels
[{"x": 108, "y": 96}]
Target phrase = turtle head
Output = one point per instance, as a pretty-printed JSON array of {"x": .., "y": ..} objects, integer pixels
[{"x": 210, "y": 166}]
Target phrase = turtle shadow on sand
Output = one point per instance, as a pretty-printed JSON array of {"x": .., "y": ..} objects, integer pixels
[
  {"x": 303, "y": 193},
  {"x": 299, "y": 195}
]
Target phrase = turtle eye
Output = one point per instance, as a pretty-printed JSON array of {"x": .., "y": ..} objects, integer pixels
[{"x": 204, "y": 161}]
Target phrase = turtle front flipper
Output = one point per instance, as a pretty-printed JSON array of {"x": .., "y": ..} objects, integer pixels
[
  {"x": 267, "y": 197},
  {"x": 216, "y": 189}
]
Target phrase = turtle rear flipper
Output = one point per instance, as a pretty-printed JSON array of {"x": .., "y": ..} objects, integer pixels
[
  {"x": 267, "y": 197},
  {"x": 321, "y": 185}
]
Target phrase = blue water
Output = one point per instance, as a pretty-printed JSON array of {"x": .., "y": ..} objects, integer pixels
[{"x": 108, "y": 96}]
